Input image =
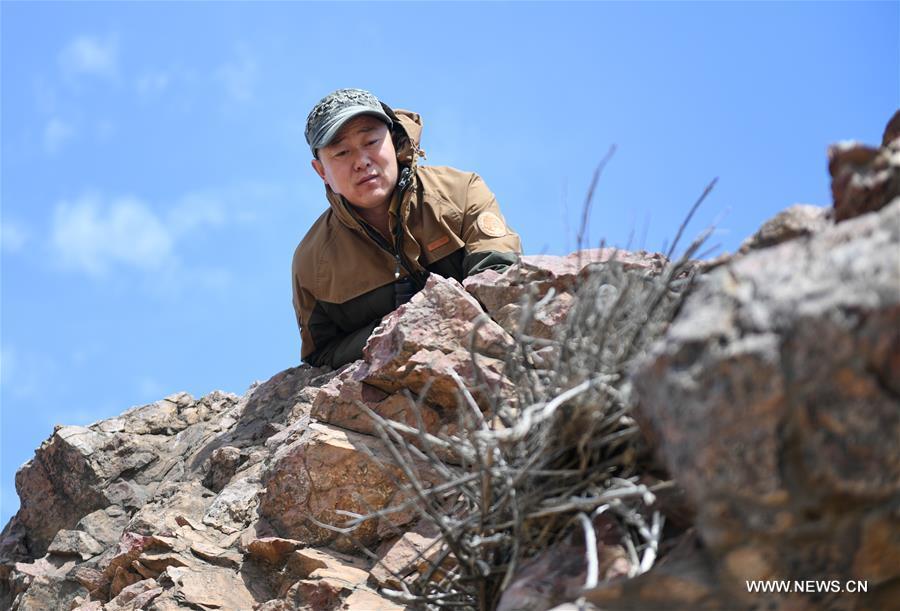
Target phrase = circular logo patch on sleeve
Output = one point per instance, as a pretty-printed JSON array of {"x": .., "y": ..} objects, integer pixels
[{"x": 491, "y": 225}]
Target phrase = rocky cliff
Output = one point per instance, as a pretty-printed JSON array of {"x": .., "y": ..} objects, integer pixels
[{"x": 614, "y": 428}]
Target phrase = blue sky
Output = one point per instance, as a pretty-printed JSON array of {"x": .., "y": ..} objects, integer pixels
[{"x": 155, "y": 178}]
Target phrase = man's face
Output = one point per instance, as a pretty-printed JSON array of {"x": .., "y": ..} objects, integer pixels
[{"x": 360, "y": 163}]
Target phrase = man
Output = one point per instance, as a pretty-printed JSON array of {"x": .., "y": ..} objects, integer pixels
[{"x": 390, "y": 223}]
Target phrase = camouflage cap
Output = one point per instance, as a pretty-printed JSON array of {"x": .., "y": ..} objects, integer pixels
[{"x": 329, "y": 115}]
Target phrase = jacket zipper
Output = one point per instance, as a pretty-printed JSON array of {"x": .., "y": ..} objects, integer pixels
[
  {"x": 401, "y": 262},
  {"x": 419, "y": 279}
]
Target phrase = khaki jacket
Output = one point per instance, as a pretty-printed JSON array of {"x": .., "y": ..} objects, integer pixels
[{"x": 442, "y": 221}]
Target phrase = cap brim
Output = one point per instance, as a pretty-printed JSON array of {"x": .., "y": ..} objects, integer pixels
[{"x": 331, "y": 129}]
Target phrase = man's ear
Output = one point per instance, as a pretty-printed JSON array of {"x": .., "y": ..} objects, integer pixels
[{"x": 320, "y": 169}]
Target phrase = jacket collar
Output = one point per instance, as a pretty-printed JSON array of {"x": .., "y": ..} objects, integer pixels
[{"x": 406, "y": 133}]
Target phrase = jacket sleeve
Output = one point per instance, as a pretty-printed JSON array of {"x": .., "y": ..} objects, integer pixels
[
  {"x": 490, "y": 243},
  {"x": 322, "y": 341},
  {"x": 339, "y": 349}
]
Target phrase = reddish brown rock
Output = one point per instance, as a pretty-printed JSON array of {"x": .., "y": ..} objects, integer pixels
[
  {"x": 49, "y": 502},
  {"x": 346, "y": 577},
  {"x": 537, "y": 274},
  {"x": 131, "y": 546},
  {"x": 864, "y": 179},
  {"x": 207, "y": 587},
  {"x": 120, "y": 570},
  {"x": 370, "y": 601},
  {"x": 878, "y": 552},
  {"x": 272, "y": 550},
  {"x": 558, "y": 573},
  {"x": 337, "y": 404},
  {"x": 683, "y": 582},
  {"x": 125, "y": 598},
  {"x": 304, "y": 562},
  {"x": 442, "y": 313},
  {"x": 314, "y": 594},
  {"x": 773, "y": 400},
  {"x": 297, "y": 580},
  {"x": 215, "y": 555},
  {"x": 89, "y": 577},
  {"x": 422, "y": 344},
  {"x": 521, "y": 294},
  {"x": 143, "y": 600},
  {"x": 326, "y": 470},
  {"x": 121, "y": 579},
  {"x": 542, "y": 319},
  {"x": 436, "y": 371},
  {"x": 336, "y": 587},
  {"x": 141, "y": 473},
  {"x": 414, "y": 551}
]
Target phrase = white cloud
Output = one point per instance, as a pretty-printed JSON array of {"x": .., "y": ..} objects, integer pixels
[
  {"x": 98, "y": 235},
  {"x": 56, "y": 133},
  {"x": 239, "y": 76},
  {"x": 13, "y": 236},
  {"x": 91, "y": 236},
  {"x": 238, "y": 203},
  {"x": 90, "y": 55}
]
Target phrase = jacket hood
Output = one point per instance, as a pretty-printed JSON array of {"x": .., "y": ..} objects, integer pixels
[{"x": 406, "y": 134}]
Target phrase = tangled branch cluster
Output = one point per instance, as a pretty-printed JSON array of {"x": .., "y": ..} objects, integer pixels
[{"x": 536, "y": 468}]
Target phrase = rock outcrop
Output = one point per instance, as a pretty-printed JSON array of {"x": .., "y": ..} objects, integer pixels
[
  {"x": 542, "y": 287},
  {"x": 775, "y": 398},
  {"x": 772, "y": 401}
]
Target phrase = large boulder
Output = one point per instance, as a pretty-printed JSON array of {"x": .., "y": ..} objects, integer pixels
[
  {"x": 324, "y": 472},
  {"x": 440, "y": 334},
  {"x": 774, "y": 400},
  {"x": 116, "y": 462},
  {"x": 71, "y": 475}
]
